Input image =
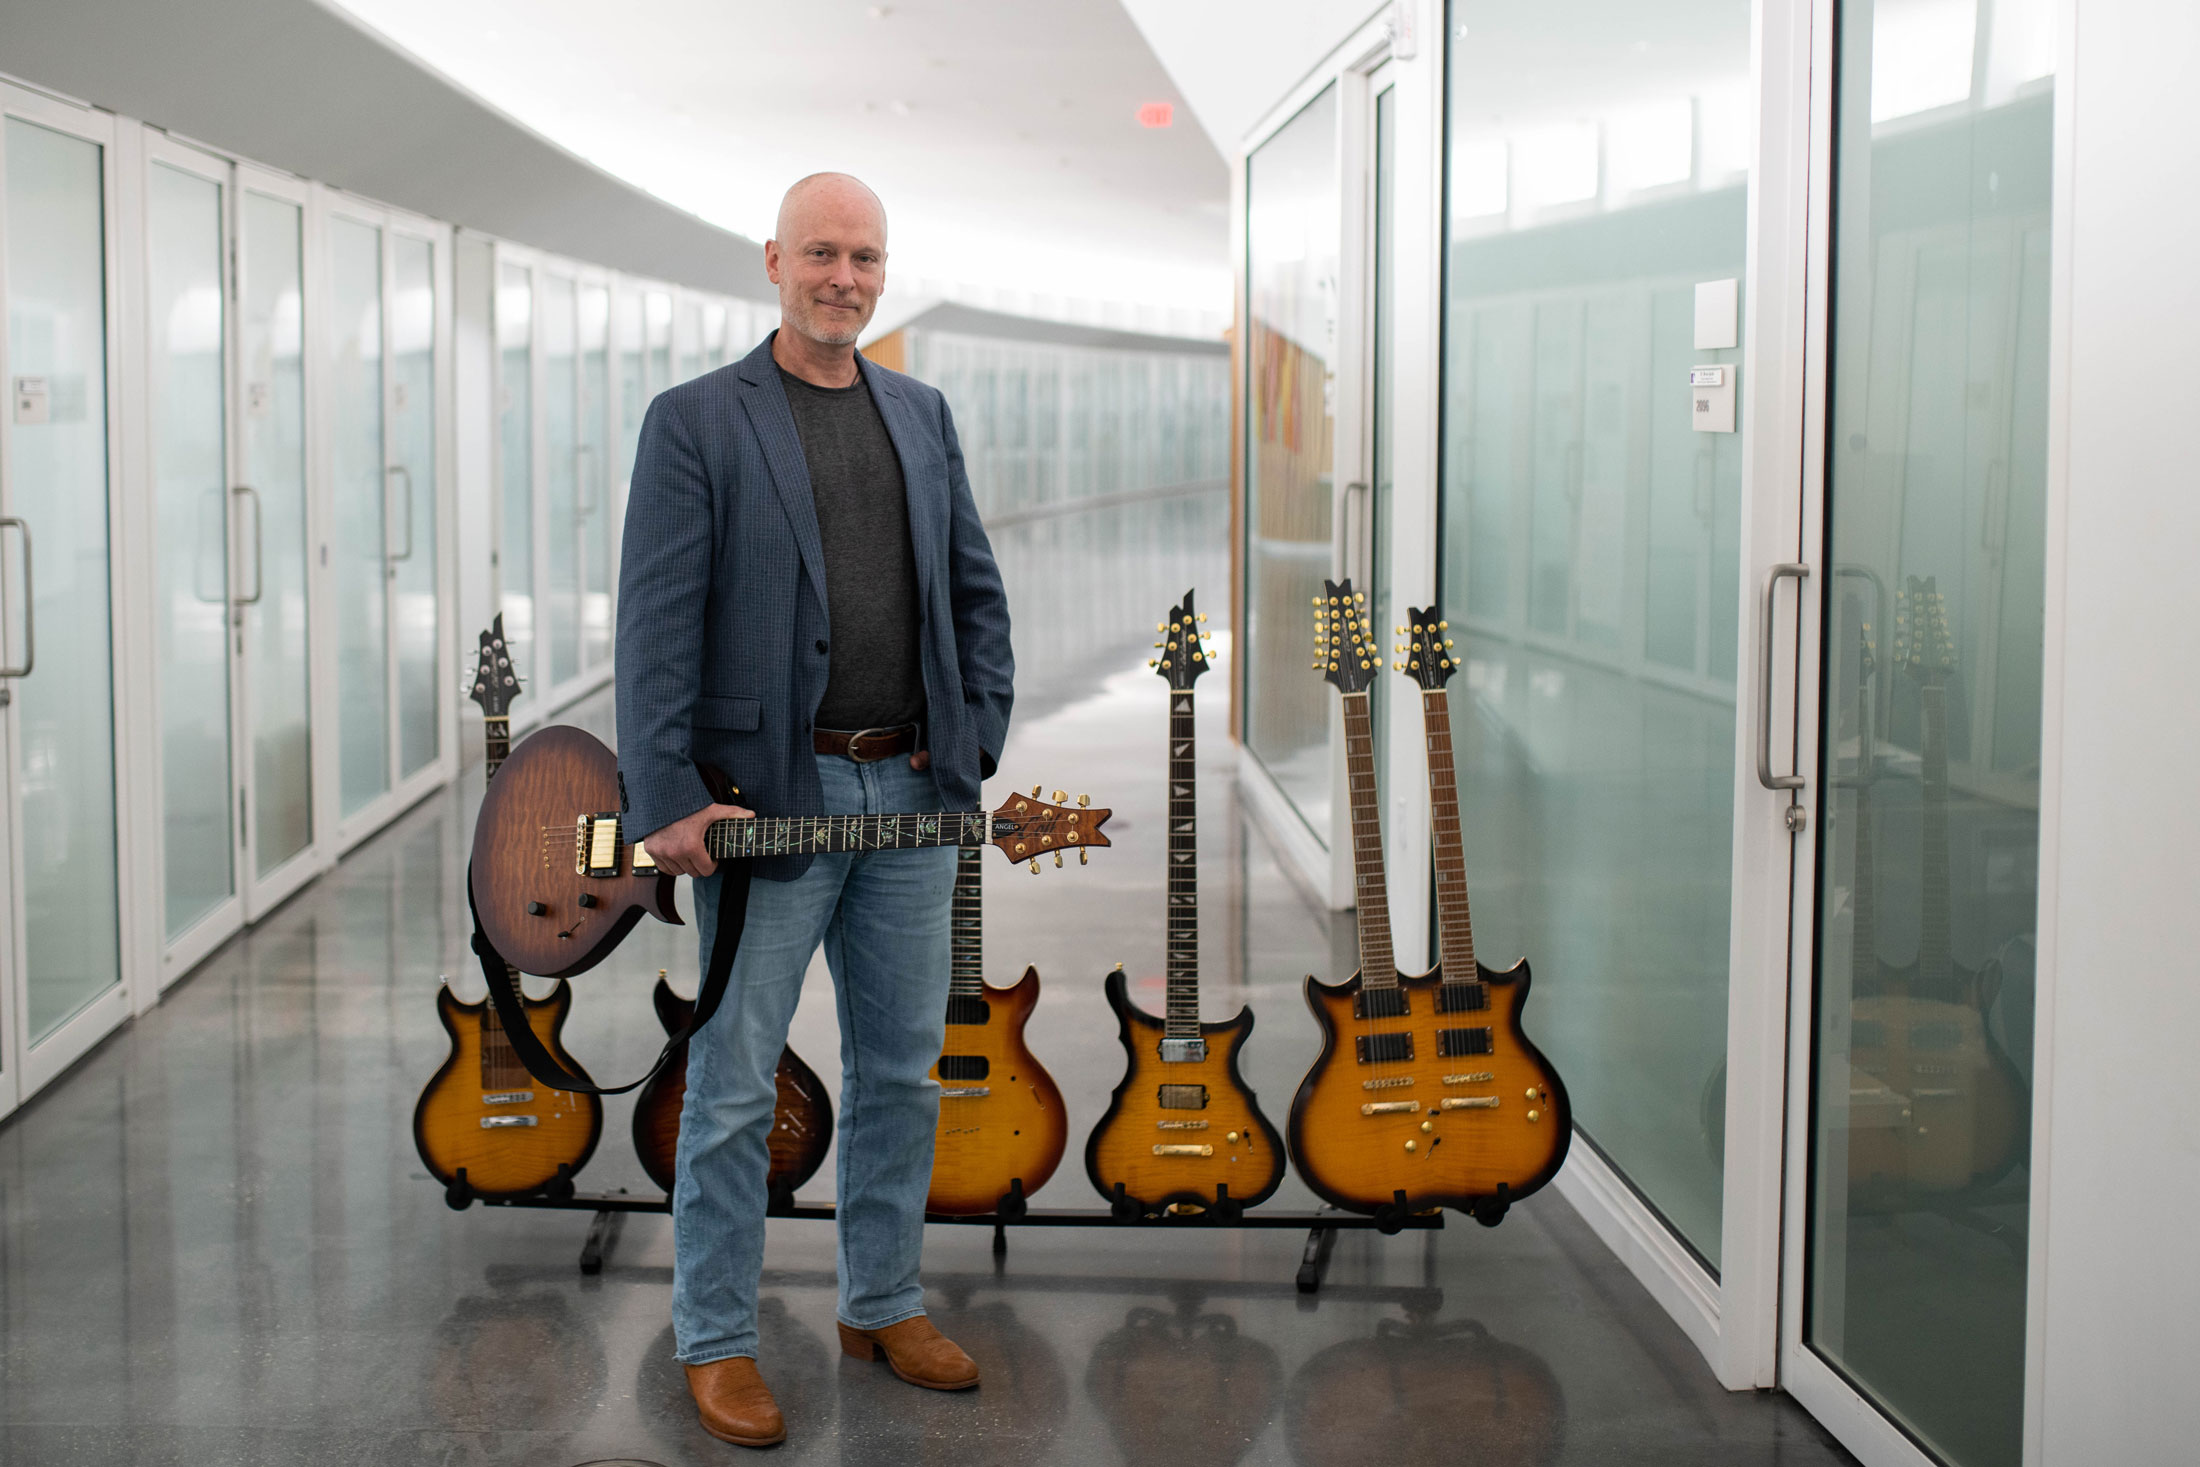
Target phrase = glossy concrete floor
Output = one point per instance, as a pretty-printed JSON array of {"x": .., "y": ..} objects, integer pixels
[{"x": 217, "y": 1245}]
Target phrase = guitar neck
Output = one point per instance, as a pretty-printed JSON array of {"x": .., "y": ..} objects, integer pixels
[
  {"x": 823, "y": 835},
  {"x": 1378, "y": 965},
  {"x": 1183, "y": 969},
  {"x": 967, "y": 924},
  {"x": 1935, "y": 956},
  {"x": 497, "y": 737},
  {"x": 1455, "y": 924},
  {"x": 501, "y": 1068}
]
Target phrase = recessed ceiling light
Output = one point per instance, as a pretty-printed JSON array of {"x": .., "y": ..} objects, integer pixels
[{"x": 1156, "y": 114}]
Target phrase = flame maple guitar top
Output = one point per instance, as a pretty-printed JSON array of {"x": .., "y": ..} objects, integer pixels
[
  {"x": 1513, "y": 1127},
  {"x": 1015, "y": 1128},
  {"x": 531, "y": 1130},
  {"x": 1149, "y": 1110}
]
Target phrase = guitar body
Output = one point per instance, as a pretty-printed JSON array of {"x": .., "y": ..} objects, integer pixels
[
  {"x": 1015, "y": 1129},
  {"x": 802, "y": 1123},
  {"x": 526, "y": 856},
  {"x": 1467, "y": 1158},
  {"x": 1121, "y": 1151},
  {"x": 1936, "y": 1104},
  {"x": 530, "y": 1133}
]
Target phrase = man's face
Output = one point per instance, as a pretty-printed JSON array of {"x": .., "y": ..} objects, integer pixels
[{"x": 829, "y": 263}]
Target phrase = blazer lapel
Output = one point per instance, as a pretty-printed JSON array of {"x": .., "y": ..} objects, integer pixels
[
  {"x": 918, "y": 487},
  {"x": 764, "y": 397}
]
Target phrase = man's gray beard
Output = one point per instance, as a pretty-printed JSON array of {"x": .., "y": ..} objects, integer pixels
[{"x": 825, "y": 336}]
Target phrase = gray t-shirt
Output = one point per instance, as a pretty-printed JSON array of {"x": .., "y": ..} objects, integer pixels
[{"x": 876, "y": 675}]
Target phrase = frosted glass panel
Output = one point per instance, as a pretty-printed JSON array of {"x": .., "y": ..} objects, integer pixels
[
  {"x": 360, "y": 545},
  {"x": 1590, "y": 553},
  {"x": 594, "y": 467},
  {"x": 184, "y": 371},
  {"x": 516, "y": 463},
  {"x": 688, "y": 343},
  {"x": 560, "y": 580},
  {"x": 271, "y": 431},
  {"x": 1936, "y": 468},
  {"x": 1293, "y": 236},
  {"x": 412, "y": 533},
  {"x": 58, "y": 484},
  {"x": 657, "y": 329}
]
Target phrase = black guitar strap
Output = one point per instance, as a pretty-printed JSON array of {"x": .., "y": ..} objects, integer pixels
[{"x": 733, "y": 911}]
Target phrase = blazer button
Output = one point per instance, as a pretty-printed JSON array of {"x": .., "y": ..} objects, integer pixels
[{"x": 821, "y": 644}]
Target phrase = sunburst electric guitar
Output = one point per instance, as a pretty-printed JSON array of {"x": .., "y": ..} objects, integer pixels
[
  {"x": 484, "y": 1126},
  {"x": 1426, "y": 1093},
  {"x": 1183, "y": 1130},
  {"x": 1002, "y": 1128}
]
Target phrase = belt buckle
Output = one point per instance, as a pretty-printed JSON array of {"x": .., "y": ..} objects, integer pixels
[{"x": 864, "y": 733}]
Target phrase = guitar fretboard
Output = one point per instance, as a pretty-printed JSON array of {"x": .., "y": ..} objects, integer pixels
[
  {"x": 1183, "y": 967},
  {"x": 789, "y": 835},
  {"x": 1935, "y": 959},
  {"x": 967, "y": 924},
  {"x": 500, "y": 1063},
  {"x": 1378, "y": 964},
  {"x": 497, "y": 741},
  {"x": 1455, "y": 924}
]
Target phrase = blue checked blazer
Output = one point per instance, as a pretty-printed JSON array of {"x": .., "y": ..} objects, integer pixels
[{"x": 723, "y": 628}]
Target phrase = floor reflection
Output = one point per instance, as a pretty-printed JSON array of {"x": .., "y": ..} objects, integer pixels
[
  {"x": 513, "y": 1361},
  {"x": 1420, "y": 1391},
  {"x": 1183, "y": 1385}
]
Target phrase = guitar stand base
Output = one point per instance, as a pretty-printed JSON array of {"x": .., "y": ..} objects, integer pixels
[{"x": 1324, "y": 1223}]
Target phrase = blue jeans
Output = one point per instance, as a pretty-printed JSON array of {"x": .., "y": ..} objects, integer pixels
[{"x": 882, "y": 917}]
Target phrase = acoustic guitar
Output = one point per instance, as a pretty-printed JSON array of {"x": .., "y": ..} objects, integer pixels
[
  {"x": 1183, "y": 1131},
  {"x": 1002, "y": 1127},
  {"x": 484, "y": 1126},
  {"x": 557, "y": 882},
  {"x": 1950, "y": 1104},
  {"x": 1426, "y": 1094},
  {"x": 802, "y": 1117}
]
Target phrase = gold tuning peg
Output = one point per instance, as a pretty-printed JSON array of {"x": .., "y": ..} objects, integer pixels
[
  {"x": 1060, "y": 796},
  {"x": 1160, "y": 626},
  {"x": 1058, "y": 860},
  {"x": 1084, "y": 801},
  {"x": 1035, "y": 792},
  {"x": 1080, "y": 855},
  {"x": 1151, "y": 663},
  {"x": 1035, "y": 865},
  {"x": 1203, "y": 616}
]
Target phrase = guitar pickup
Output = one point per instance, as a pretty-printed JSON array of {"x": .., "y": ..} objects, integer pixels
[
  {"x": 1384, "y": 1049},
  {"x": 1183, "y": 1097},
  {"x": 1451, "y": 1043},
  {"x": 596, "y": 846},
  {"x": 964, "y": 1066},
  {"x": 1381, "y": 1003},
  {"x": 1462, "y": 998},
  {"x": 492, "y": 1123},
  {"x": 1183, "y": 1051}
]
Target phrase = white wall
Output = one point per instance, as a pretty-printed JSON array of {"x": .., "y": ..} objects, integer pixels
[
  {"x": 1234, "y": 59},
  {"x": 2116, "y": 1286}
]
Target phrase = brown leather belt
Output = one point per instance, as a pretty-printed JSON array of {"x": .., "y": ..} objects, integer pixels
[{"x": 865, "y": 745}]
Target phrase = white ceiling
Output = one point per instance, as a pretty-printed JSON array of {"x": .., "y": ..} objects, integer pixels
[{"x": 1001, "y": 134}]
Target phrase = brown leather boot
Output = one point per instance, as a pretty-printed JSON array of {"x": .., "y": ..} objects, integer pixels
[
  {"x": 917, "y": 1353},
  {"x": 734, "y": 1404}
]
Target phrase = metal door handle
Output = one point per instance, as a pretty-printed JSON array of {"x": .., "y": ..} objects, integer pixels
[
  {"x": 1765, "y": 776},
  {"x": 259, "y": 545},
  {"x": 406, "y": 553},
  {"x": 583, "y": 507},
  {"x": 30, "y": 605}
]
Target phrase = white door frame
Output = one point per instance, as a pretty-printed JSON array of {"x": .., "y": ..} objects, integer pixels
[{"x": 25, "y": 1067}]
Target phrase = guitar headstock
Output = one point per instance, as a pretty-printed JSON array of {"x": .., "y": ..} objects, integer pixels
[
  {"x": 1344, "y": 642},
  {"x": 1425, "y": 654},
  {"x": 1026, "y": 827},
  {"x": 1923, "y": 646},
  {"x": 1183, "y": 647},
  {"x": 495, "y": 683}
]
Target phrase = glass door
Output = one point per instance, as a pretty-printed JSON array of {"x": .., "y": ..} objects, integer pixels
[
  {"x": 388, "y": 294},
  {"x": 1910, "y": 1219},
  {"x": 272, "y": 616},
  {"x": 63, "y": 954},
  {"x": 592, "y": 514},
  {"x": 199, "y": 578}
]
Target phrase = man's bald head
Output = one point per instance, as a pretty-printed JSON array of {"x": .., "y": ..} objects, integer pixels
[
  {"x": 828, "y": 258},
  {"x": 833, "y": 192}
]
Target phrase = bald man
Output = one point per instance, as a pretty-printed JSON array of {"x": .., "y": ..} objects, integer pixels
[{"x": 807, "y": 602}]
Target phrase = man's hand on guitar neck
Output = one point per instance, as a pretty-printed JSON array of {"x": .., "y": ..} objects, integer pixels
[{"x": 679, "y": 848}]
